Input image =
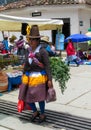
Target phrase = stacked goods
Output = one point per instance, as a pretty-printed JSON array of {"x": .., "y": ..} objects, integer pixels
[{"x": 3, "y": 81}]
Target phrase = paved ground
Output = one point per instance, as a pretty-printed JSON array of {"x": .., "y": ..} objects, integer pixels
[{"x": 76, "y": 100}]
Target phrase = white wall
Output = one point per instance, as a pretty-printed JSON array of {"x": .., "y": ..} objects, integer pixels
[
  {"x": 74, "y": 12},
  {"x": 65, "y": 12},
  {"x": 85, "y": 16}
]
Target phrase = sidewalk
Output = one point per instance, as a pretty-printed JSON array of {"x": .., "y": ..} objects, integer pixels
[{"x": 75, "y": 101}]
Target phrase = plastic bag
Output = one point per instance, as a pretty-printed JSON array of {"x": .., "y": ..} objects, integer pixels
[
  {"x": 21, "y": 105},
  {"x": 51, "y": 95}
]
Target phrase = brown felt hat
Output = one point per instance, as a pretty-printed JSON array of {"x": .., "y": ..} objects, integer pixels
[{"x": 34, "y": 32}]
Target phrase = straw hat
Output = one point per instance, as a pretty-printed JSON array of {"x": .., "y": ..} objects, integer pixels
[
  {"x": 12, "y": 38},
  {"x": 45, "y": 38},
  {"x": 34, "y": 32}
]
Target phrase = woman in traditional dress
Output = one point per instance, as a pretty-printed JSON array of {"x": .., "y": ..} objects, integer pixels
[{"x": 36, "y": 75}]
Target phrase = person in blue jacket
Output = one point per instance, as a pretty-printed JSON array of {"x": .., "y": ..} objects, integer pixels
[
  {"x": 5, "y": 43},
  {"x": 45, "y": 43}
]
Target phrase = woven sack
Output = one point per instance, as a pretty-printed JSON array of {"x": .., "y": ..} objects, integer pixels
[{"x": 3, "y": 81}]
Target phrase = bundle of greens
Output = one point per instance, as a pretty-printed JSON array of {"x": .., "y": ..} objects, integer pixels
[{"x": 60, "y": 72}]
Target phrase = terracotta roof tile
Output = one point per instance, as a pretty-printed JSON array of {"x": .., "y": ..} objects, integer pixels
[{"x": 25, "y": 3}]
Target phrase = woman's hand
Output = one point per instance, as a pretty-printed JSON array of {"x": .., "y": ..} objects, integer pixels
[{"x": 50, "y": 84}]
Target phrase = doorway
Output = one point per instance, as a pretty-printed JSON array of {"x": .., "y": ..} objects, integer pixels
[{"x": 65, "y": 29}]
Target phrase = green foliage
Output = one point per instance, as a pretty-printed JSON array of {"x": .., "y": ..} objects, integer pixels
[{"x": 60, "y": 72}]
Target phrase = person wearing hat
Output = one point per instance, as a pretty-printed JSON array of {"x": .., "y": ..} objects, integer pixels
[
  {"x": 11, "y": 43},
  {"x": 36, "y": 75},
  {"x": 80, "y": 54},
  {"x": 20, "y": 45},
  {"x": 21, "y": 49},
  {"x": 45, "y": 43}
]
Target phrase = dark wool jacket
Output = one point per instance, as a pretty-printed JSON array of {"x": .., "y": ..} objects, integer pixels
[{"x": 43, "y": 57}]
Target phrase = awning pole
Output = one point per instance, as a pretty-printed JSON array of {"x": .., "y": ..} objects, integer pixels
[{"x": 3, "y": 34}]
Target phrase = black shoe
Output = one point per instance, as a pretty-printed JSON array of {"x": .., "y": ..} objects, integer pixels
[
  {"x": 34, "y": 116},
  {"x": 42, "y": 118}
]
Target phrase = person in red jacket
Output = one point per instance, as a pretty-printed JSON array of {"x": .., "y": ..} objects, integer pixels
[{"x": 71, "y": 54}]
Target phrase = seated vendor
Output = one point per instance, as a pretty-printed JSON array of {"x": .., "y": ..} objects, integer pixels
[{"x": 80, "y": 54}]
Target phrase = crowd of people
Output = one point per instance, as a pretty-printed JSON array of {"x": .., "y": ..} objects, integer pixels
[
  {"x": 19, "y": 46},
  {"x": 12, "y": 45}
]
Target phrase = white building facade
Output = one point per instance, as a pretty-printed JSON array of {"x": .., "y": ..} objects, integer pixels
[{"x": 76, "y": 14}]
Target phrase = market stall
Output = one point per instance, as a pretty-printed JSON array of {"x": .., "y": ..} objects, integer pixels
[
  {"x": 8, "y": 59},
  {"x": 12, "y": 23}
]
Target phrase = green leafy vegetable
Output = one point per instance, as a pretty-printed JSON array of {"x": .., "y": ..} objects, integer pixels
[{"x": 60, "y": 72}]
